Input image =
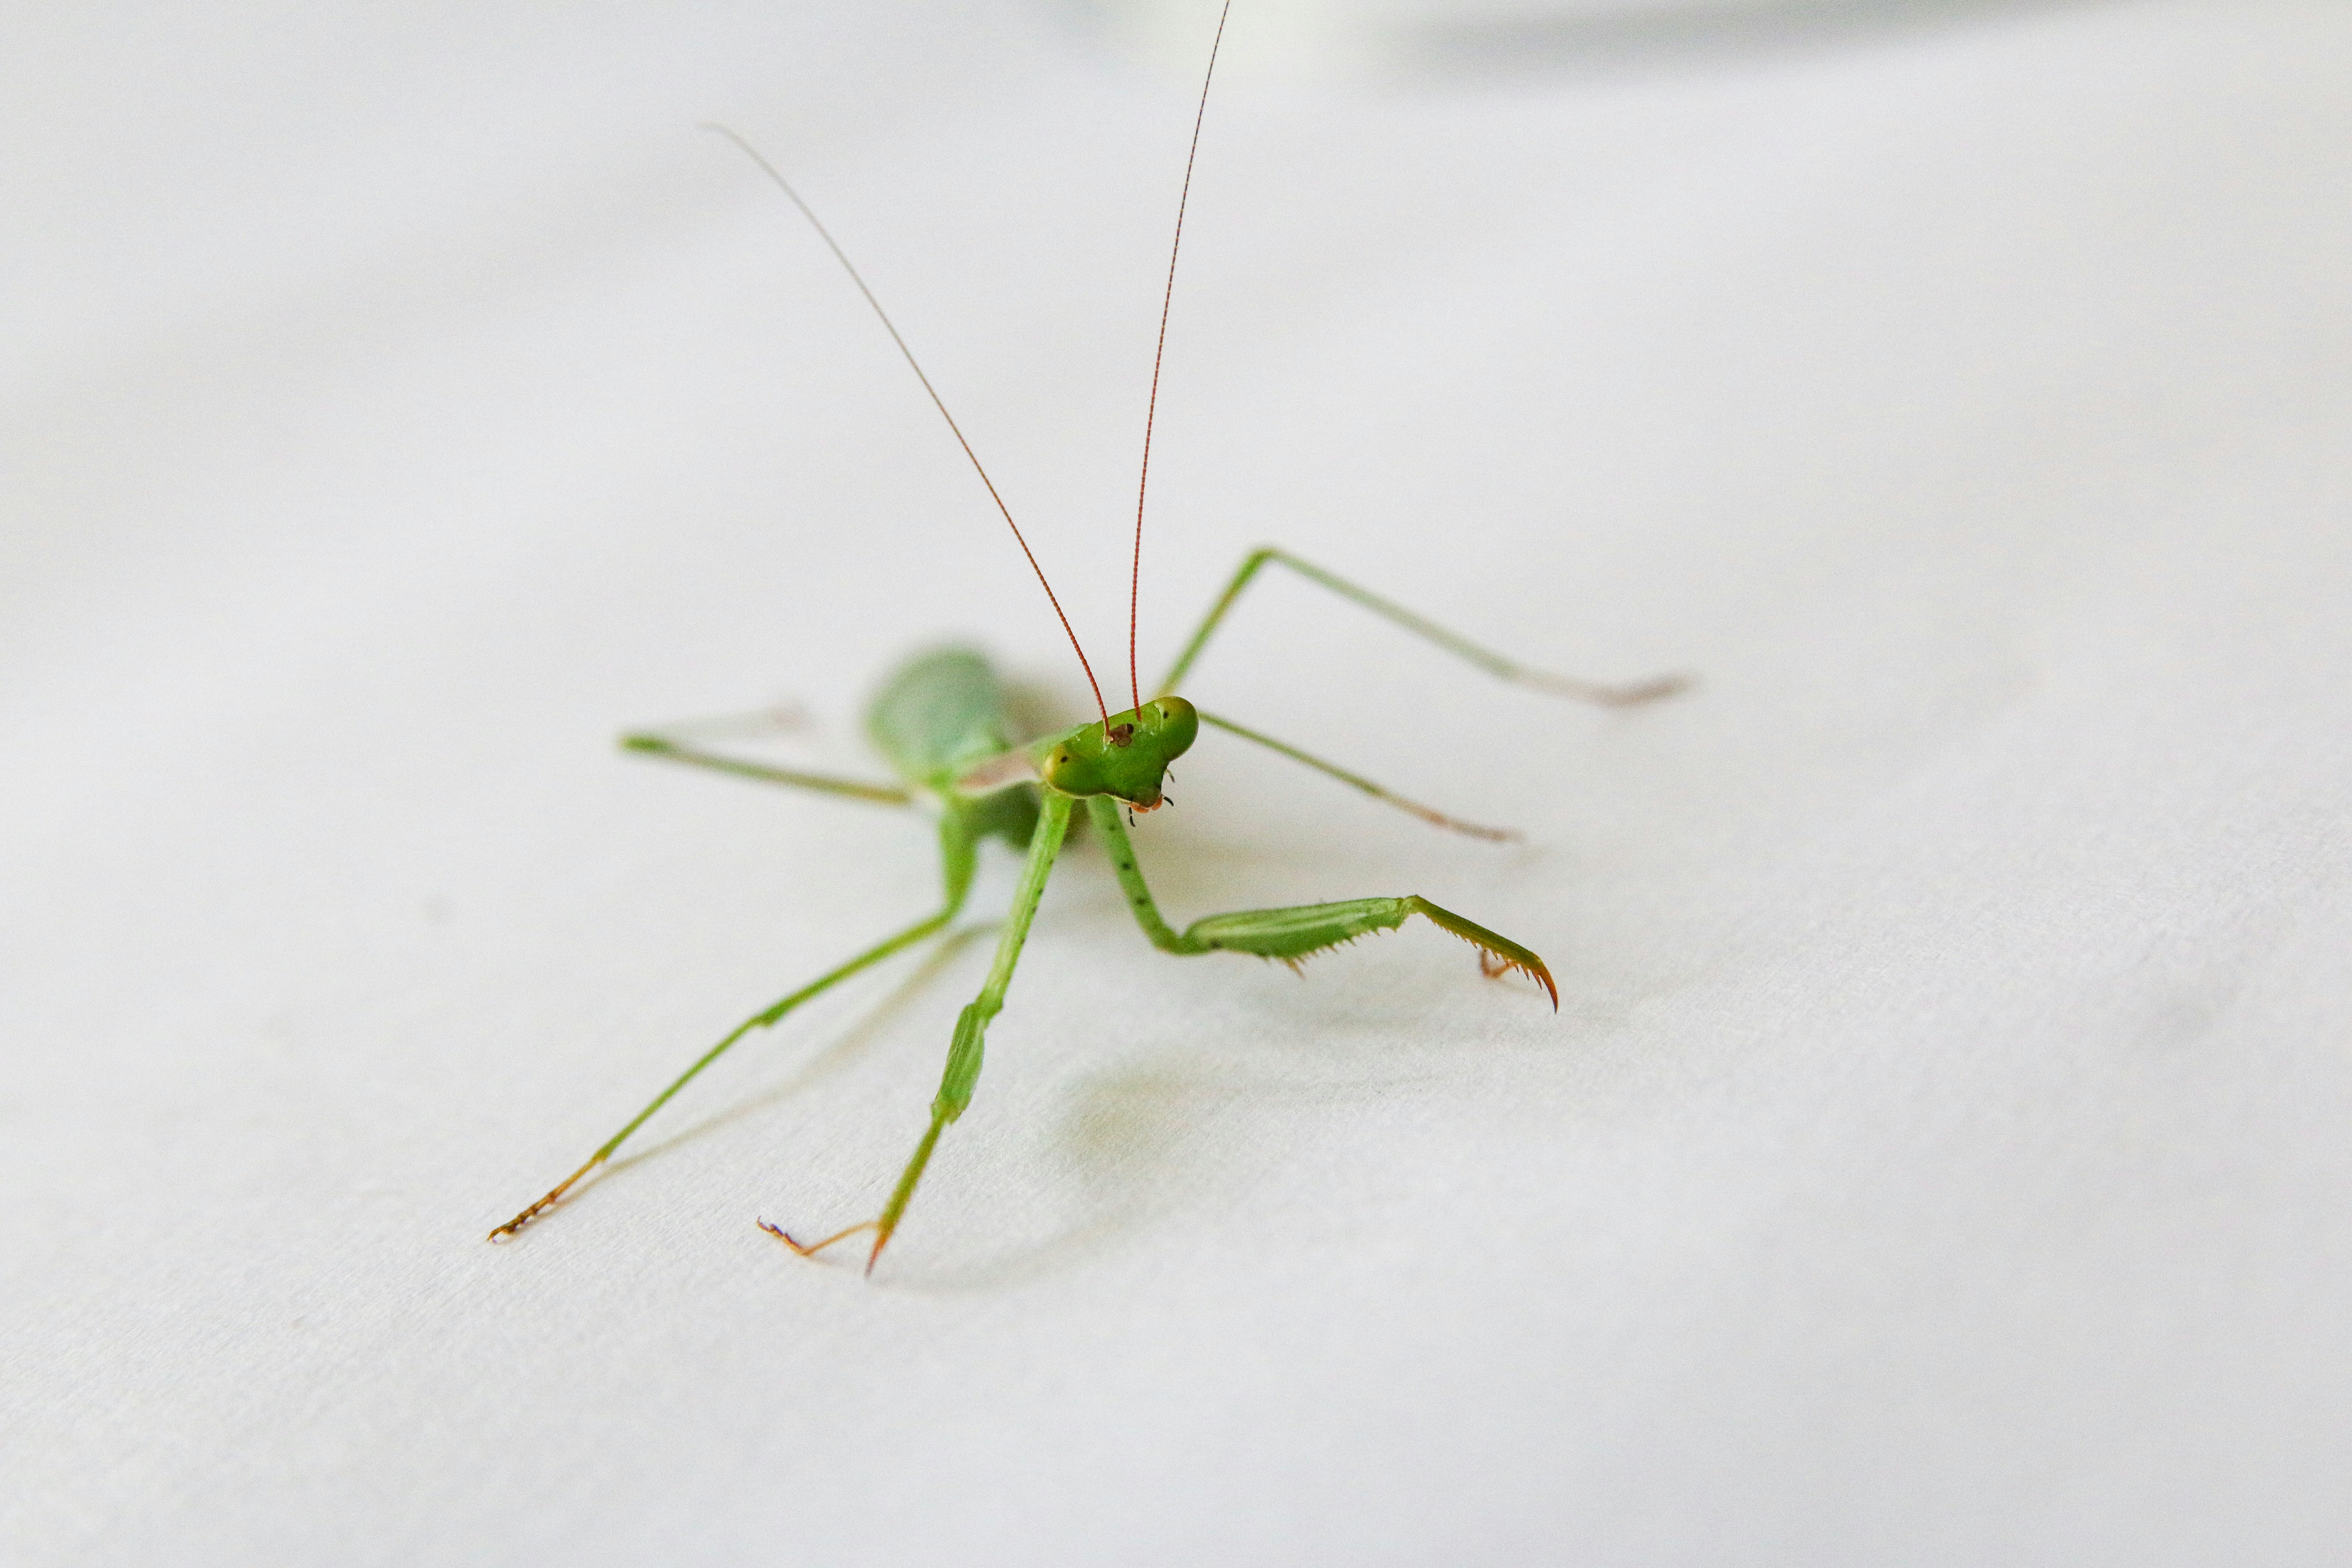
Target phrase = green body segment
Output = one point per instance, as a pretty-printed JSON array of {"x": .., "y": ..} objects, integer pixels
[{"x": 939, "y": 715}]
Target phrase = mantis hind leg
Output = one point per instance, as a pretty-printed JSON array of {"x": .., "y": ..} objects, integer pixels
[
  {"x": 957, "y": 859},
  {"x": 1297, "y": 933},
  {"x": 671, "y": 749},
  {"x": 1485, "y": 658},
  {"x": 964, "y": 1055}
]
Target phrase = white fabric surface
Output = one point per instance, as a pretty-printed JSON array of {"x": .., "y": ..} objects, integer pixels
[{"x": 1939, "y": 1155}]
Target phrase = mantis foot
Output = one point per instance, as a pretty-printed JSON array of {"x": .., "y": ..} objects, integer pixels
[
  {"x": 809, "y": 1250},
  {"x": 550, "y": 1201}
]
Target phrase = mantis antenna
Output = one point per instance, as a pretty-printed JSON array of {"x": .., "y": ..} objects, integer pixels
[
  {"x": 940, "y": 404},
  {"x": 1135, "y": 582}
]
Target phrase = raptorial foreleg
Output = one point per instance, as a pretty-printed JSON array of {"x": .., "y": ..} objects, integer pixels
[{"x": 1297, "y": 933}]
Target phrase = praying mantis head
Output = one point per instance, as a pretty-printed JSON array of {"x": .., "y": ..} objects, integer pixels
[{"x": 1125, "y": 756}]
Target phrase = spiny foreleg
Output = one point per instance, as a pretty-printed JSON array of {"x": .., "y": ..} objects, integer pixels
[{"x": 1297, "y": 934}]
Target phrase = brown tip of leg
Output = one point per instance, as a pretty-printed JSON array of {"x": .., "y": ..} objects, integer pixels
[
  {"x": 811, "y": 1249},
  {"x": 514, "y": 1225},
  {"x": 551, "y": 1200},
  {"x": 1631, "y": 694},
  {"x": 1653, "y": 690}
]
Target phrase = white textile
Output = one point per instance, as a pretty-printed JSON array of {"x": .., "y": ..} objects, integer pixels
[{"x": 1939, "y": 1154}]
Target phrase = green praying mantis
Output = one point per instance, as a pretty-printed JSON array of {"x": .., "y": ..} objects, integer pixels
[{"x": 942, "y": 722}]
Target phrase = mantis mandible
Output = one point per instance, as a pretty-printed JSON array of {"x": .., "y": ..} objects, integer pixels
[{"x": 940, "y": 721}]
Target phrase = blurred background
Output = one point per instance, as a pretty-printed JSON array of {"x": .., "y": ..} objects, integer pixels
[{"x": 1936, "y": 1156}]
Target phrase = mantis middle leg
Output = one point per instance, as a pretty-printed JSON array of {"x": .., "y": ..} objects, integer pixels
[
  {"x": 663, "y": 746},
  {"x": 1355, "y": 781}
]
